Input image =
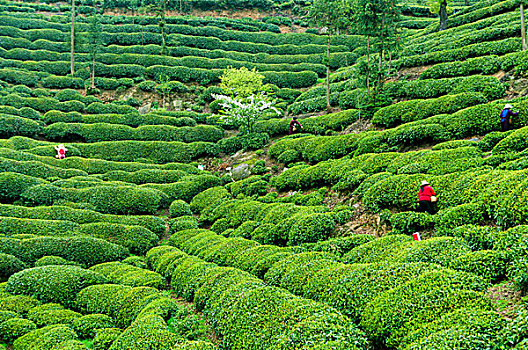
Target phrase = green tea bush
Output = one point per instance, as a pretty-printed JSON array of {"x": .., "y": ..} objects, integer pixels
[
  {"x": 410, "y": 222},
  {"x": 106, "y": 199},
  {"x": 489, "y": 264},
  {"x": 187, "y": 188},
  {"x": 480, "y": 322},
  {"x": 149, "y": 331},
  {"x": 37, "y": 169},
  {"x": 154, "y": 151},
  {"x": 44, "y": 318},
  {"x": 247, "y": 141},
  {"x": 15, "y": 76},
  {"x": 45, "y": 338},
  {"x": 58, "y": 82},
  {"x": 195, "y": 345},
  {"x": 311, "y": 228},
  {"x": 58, "y": 284},
  {"x": 9, "y": 265},
  {"x": 131, "y": 119},
  {"x": 122, "y": 303},
  {"x": 105, "y": 337},
  {"x": 86, "y": 251},
  {"x": 128, "y": 275},
  {"x": 253, "y": 185},
  {"x": 179, "y": 208},
  {"x": 99, "y": 132},
  {"x": 19, "y": 304},
  {"x": 53, "y": 260},
  {"x": 408, "y": 111},
  {"x": 438, "y": 250},
  {"x": 465, "y": 214},
  {"x": 13, "y": 226},
  {"x": 392, "y": 315},
  {"x": 11, "y": 125},
  {"x": 183, "y": 223},
  {"x": 15, "y": 328},
  {"x": 24, "y": 112},
  {"x": 82, "y": 216},
  {"x": 339, "y": 245},
  {"x": 137, "y": 239},
  {"x": 374, "y": 251}
]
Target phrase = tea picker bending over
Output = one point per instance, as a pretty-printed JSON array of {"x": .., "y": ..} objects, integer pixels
[{"x": 426, "y": 198}]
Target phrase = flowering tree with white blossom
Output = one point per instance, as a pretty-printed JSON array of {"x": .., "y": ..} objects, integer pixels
[
  {"x": 245, "y": 102},
  {"x": 244, "y": 112}
]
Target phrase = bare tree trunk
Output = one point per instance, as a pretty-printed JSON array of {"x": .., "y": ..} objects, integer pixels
[
  {"x": 381, "y": 50},
  {"x": 92, "y": 85},
  {"x": 390, "y": 61},
  {"x": 443, "y": 15},
  {"x": 368, "y": 64},
  {"x": 523, "y": 30},
  {"x": 72, "y": 54},
  {"x": 328, "y": 74}
]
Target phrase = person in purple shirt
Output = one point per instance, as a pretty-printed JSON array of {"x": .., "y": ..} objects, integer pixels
[{"x": 294, "y": 126}]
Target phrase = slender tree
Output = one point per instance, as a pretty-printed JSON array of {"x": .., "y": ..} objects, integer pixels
[
  {"x": 94, "y": 40},
  {"x": 376, "y": 20},
  {"x": 159, "y": 8},
  {"x": 72, "y": 39},
  {"x": 523, "y": 30},
  {"x": 442, "y": 9},
  {"x": 329, "y": 15}
]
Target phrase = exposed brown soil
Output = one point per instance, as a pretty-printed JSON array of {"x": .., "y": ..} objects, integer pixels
[
  {"x": 505, "y": 298},
  {"x": 412, "y": 73}
]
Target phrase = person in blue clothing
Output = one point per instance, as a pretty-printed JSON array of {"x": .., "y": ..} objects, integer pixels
[{"x": 505, "y": 117}]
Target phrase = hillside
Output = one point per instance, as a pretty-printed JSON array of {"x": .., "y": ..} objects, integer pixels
[{"x": 173, "y": 224}]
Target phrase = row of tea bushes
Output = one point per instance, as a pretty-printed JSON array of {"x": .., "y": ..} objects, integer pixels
[
  {"x": 275, "y": 223},
  {"x": 87, "y": 251},
  {"x": 45, "y": 104},
  {"x": 82, "y": 216},
  {"x": 115, "y": 132},
  {"x": 275, "y": 39},
  {"x": 478, "y": 65},
  {"x": 25, "y": 149},
  {"x": 485, "y": 186},
  {"x": 132, "y": 119},
  {"x": 409, "y": 111},
  {"x": 141, "y": 311},
  {"x": 125, "y": 66},
  {"x": 226, "y": 302},
  {"x": 348, "y": 173},
  {"x": 318, "y": 125},
  {"x": 365, "y": 287},
  {"x": 476, "y": 120},
  {"x": 129, "y": 275},
  {"x": 500, "y": 47},
  {"x": 136, "y": 239}
]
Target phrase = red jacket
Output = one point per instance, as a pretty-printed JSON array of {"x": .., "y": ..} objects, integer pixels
[{"x": 426, "y": 193}]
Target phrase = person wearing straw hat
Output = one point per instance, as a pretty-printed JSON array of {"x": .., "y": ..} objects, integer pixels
[
  {"x": 426, "y": 198},
  {"x": 505, "y": 117}
]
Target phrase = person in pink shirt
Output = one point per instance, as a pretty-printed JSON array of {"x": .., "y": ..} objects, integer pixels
[{"x": 426, "y": 197}]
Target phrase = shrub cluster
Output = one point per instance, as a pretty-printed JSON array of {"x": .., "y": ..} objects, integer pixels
[{"x": 129, "y": 275}]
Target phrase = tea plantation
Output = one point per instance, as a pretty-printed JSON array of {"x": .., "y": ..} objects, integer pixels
[{"x": 156, "y": 194}]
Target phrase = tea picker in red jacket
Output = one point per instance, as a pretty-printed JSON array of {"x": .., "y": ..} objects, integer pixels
[{"x": 426, "y": 197}]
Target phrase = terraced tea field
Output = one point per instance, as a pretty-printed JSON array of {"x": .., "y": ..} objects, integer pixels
[{"x": 171, "y": 224}]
